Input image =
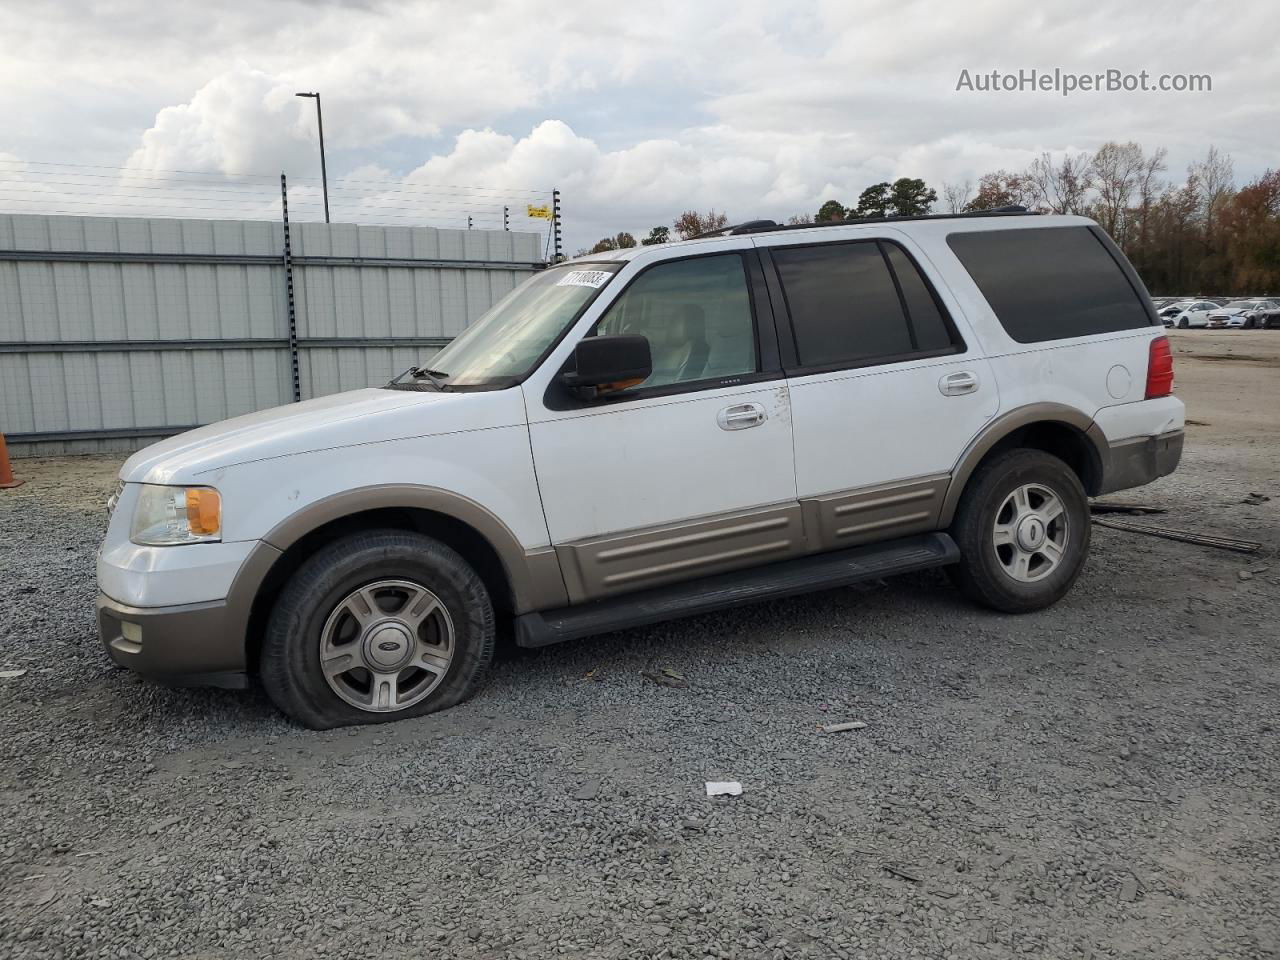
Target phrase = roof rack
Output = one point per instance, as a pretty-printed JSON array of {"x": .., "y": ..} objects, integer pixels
[{"x": 768, "y": 226}]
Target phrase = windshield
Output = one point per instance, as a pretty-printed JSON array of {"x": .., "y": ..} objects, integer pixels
[
  {"x": 502, "y": 347},
  {"x": 1241, "y": 304}
]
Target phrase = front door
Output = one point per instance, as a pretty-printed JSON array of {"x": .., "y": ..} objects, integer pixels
[{"x": 689, "y": 473}]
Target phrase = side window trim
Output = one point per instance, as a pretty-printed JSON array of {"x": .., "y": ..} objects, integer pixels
[
  {"x": 557, "y": 397},
  {"x": 786, "y": 327},
  {"x": 790, "y": 354},
  {"x": 902, "y": 297},
  {"x": 763, "y": 315},
  {"x": 958, "y": 342}
]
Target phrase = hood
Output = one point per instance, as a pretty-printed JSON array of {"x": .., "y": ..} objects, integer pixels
[{"x": 371, "y": 415}]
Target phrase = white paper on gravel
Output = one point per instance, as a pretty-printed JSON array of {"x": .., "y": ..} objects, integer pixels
[{"x": 724, "y": 788}]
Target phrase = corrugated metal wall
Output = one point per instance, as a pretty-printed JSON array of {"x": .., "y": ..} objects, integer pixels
[{"x": 116, "y": 331}]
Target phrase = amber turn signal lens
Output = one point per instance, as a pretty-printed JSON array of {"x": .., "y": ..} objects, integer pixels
[{"x": 204, "y": 510}]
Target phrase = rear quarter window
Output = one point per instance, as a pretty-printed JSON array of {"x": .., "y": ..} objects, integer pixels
[{"x": 1050, "y": 283}]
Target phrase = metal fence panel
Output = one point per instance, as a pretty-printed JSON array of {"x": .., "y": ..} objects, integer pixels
[{"x": 116, "y": 330}]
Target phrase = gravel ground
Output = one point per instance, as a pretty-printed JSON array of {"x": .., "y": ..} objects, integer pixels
[{"x": 1099, "y": 779}]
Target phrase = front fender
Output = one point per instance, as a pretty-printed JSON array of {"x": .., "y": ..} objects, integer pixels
[{"x": 483, "y": 478}]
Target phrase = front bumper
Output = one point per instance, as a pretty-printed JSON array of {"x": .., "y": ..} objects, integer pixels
[
  {"x": 195, "y": 644},
  {"x": 203, "y": 644},
  {"x": 1133, "y": 463}
]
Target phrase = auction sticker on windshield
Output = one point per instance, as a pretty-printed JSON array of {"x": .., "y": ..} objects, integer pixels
[{"x": 584, "y": 278}]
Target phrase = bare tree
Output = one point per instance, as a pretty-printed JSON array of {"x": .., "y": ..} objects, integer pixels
[
  {"x": 1215, "y": 175},
  {"x": 1149, "y": 188},
  {"x": 956, "y": 195},
  {"x": 1117, "y": 169},
  {"x": 1061, "y": 187}
]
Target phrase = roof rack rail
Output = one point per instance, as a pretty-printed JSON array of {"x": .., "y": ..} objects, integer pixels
[
  {"x": 750, "y": 226},
  {"x": 766, "y": 226}
]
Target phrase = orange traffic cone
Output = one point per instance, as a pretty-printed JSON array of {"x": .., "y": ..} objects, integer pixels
[{"x": 6, "y": 471}]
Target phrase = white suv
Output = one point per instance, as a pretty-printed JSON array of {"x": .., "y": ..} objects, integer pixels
[{"x": 651, "y": 433}]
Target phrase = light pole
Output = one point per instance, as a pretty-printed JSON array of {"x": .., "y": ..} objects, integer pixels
[{"x": 324, "y": 176}]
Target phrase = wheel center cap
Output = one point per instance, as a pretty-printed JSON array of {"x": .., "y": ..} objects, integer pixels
[
  {"x": 388, "y": 646},
  {"x": 1031, "y": 533}
]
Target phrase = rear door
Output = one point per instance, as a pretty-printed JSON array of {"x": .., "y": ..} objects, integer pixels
[{"x": 886, "y": 391}]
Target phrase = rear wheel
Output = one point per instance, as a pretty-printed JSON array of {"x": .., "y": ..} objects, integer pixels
[
  {"x": 374, "y": 627},
  {"x": 1023, "y": 531}
]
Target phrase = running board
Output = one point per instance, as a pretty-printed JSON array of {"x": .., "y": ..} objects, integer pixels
[{"x": 819, "y": 572}]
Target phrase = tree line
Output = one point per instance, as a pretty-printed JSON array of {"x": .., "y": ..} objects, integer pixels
[
  {"x": 1200, "y": 234},
  {"x": 1197, "y": 235}
]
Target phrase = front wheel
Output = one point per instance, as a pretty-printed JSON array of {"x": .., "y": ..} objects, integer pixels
[
  {"x": 1183, "y": 324},
  {"x": 374, "y": 627},
  {"x": 1023, "y": 531}
]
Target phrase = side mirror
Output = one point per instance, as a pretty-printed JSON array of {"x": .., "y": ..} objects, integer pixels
[{"x": 613, "y": 361}]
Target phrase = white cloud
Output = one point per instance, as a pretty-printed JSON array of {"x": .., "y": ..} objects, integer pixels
[
  {"x": 753, "y": 107},
  {"x": 242, "y": 120}
]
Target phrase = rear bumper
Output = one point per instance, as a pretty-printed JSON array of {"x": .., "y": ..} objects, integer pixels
[{"x": 1132, "y": 463}]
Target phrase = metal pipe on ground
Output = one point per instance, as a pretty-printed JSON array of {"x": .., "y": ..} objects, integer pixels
[{"x": 1182, "y": 536}]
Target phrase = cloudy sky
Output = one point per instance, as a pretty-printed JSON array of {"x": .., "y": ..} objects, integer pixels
[{"x": 635, "y": 111}]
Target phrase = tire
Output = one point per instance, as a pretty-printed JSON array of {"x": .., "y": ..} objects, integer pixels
[
  {"x": 1183, "y": 324},
  {"x": 988, "y": 509},
  {"x": 402, "y": 597}
]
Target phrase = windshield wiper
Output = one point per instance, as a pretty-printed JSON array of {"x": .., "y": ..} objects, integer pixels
[
  {"x": 422, "y": 373},
  {"x": 437, "y": 377}
]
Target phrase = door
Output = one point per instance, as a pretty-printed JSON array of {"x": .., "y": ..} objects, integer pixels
[
  {"x": 885, "y": 391},
  {"x": 690, "y": 472}
]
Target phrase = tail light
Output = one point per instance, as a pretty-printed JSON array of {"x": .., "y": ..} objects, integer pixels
[{"x": 1159, "y": 369}]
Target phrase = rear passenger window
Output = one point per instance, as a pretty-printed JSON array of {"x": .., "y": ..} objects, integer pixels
[
  {"x": 1049, "y": 283},
  {"x": 845, "y": 307}
]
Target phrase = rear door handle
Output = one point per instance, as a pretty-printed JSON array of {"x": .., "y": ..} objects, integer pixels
[
  {"x": 955, "y": 384},
  {"x": 741, "y": 416}
]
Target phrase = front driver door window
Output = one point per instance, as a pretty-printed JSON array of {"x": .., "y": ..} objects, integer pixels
[{"x": 696, "y": 315}]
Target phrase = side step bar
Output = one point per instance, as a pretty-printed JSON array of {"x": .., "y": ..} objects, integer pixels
[{"x": 820, "y": 572}]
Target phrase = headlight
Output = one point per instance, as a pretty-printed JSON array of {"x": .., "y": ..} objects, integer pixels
[{"x": 165, "y": 516}]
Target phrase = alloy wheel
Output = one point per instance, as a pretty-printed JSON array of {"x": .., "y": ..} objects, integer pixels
[
  {"x": 1030, "y": 532},
  {"x": 387, "y": 645}
]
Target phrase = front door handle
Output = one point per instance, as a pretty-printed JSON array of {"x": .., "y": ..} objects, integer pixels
[
  {"x": 955, "y": 384},
  {"x": 741, "y": 416}
]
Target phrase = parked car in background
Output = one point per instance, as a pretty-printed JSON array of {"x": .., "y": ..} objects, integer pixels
[
  {"x": 1245, "y": 313},
  {"x": 1188, "y": 313},
  {"x": 652, "y": 433},
  {"x": 1161, "y": 302}
]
